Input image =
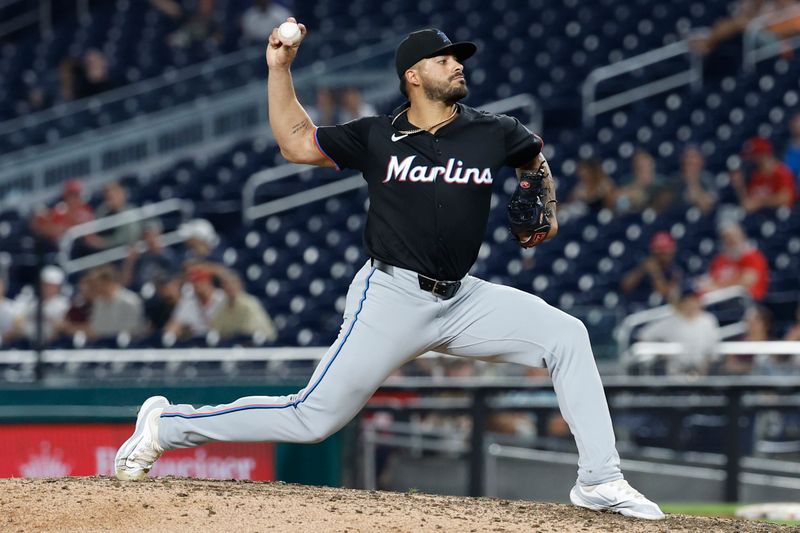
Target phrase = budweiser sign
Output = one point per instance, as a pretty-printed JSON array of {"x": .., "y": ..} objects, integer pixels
[
  {"x": 46, "y": 462},
  {"x": 56, "y": 450},
  {"x": 196, "y": 463}
]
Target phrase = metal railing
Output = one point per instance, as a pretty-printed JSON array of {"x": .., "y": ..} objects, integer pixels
[
  {"x": 184, "y": 207},
  {"x": 126, "y": 145},
  {"x": 758, "y": 48},
  {"x": 174, "y": 355},
  {"x": 625, "y": 329},
  {"x": 713, "y": 471},
  {"x": 693, "y": 76},
  {"x": 252, "y": 211},
  {"x": 408, "y": 436},
  {"x": 647, "y": 352},
  {"x": 30, "y": 176},
  {"x": 340, "y": 186},
  {"x": 158, "y": 355},
  {"x": 41, "y": 15},
  {"x": 202, "y": 72},
  {"x": 732, "y": 397},
  {"x": 523, "y": 101}
]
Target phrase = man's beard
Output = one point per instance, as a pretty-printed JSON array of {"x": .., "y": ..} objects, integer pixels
[{"x": 445, "y": 92}]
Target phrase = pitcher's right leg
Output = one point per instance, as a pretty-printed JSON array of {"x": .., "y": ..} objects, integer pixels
[{"x": 383, "y": 328}]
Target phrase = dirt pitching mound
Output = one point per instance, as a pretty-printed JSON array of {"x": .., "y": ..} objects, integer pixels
[{"x": 183, "y": 505}]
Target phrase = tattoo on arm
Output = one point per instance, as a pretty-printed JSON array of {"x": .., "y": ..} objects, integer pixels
[
  {"x": 549, "y": 199},
  {"x": 549, "y": 189},
  {"x": 300, "y": 126},
  {"x": 548, "y": 184}
]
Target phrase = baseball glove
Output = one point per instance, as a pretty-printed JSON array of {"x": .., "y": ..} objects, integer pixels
[{"x": 528, "y": 219}]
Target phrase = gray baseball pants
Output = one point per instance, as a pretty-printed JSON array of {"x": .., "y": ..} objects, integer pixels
[{"x": 389, "y": 320}]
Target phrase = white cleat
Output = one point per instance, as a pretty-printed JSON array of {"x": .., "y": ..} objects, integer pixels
[
  {"x": 615, "y": 496},
  {"x": 137, "y": 455}
]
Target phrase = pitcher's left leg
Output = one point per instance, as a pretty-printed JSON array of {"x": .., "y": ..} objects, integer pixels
[{"x": 504, "y": 324}]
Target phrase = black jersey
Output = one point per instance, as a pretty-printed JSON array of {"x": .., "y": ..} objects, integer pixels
[{"x": 429, "y": 193}]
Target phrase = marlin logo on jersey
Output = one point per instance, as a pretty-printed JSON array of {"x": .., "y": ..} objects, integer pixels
[{"x": 454, "y": 172}]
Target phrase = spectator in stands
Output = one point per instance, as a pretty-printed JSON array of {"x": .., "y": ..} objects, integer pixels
[
  {"x": 78, "y": 316},
  {"x": 595, "y": 190},
  {"x": 727, "y": 27},
  {"x": 780, "y": 364},
  {"x": 160, "y": 307},
  {"x": 641, "y": 187},
  {"x": 12, "y": 323},
  {"x": 170, "y": 8},
  {"x": 36, "y": 100},
  {"x": 115, "y": 202},
  {"x": 739, "y": 263},
  {"x": 655, "y": 273},
  {"x": 198, "y": 305},
  {"x": 156, "y": 260},
  {"x": 690, "y": 325},
  {"x": 793, "y": 334},
  {"x": 201, "y": 245},
  {"x": 261, "y": 18},
  {"x": 771, "y": 182},
  {"x": 782, "y": 26},
  {"x": 325, "y": 111},
  {"x": 758, "y": 321},
  {"x": 51, "y": 224},
  {"x": 54, "y": 307},
  {"x": 115, "y": 309},
  {"x": 790, "y": 364},
  {"x": 792, "y": 156},
  {"x": 353, "y": 106},
  {"x": 695, "y": 182},
  {"x": 88, "y": 76},
  {"x": 195, "y": 28},
  {"x": 241, "y": 313}
]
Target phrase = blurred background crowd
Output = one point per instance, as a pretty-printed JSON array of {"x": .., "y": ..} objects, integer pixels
[{"x": 662, "y": 202}]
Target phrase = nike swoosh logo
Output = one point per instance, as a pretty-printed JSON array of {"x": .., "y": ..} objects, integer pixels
[{"x": 396, "y": 138}]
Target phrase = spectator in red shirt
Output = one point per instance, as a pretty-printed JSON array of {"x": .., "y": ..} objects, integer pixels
[
  {"x": 771, "y": 183},
  {"x": 739, "y": 263},
  {"x": 52, "y": 223}
]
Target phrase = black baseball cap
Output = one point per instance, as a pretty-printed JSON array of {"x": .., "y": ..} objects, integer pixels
[{"x": 429, "y": 43}]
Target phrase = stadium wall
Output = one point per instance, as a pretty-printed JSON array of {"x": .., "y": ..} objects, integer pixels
[{"x": 54, "y": 431}]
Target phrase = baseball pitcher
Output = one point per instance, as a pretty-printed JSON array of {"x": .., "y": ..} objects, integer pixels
[{"x": 430, "y": 167}]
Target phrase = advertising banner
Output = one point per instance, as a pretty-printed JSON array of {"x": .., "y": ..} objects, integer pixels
[{"x": 55, "y": 450}]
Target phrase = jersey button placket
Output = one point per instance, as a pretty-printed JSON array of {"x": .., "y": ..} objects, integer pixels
[{"x": 439, "y": 205}]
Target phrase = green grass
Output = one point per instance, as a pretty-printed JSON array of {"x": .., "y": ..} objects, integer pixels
[
  {"x": 724, "y": 510},
  {"x": 702, "y": 509}
]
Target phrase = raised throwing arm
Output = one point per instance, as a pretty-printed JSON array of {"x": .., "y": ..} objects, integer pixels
[{"x": 291, "y": 125}]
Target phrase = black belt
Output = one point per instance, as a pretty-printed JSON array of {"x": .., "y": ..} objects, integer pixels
[{"x": 443, "y": 289}]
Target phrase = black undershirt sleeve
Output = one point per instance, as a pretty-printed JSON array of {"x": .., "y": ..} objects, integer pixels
[{"x": 522, "y": 146}]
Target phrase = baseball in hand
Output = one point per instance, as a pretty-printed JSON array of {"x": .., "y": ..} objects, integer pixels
[{"x": 289, "y": 33}]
